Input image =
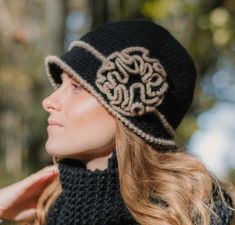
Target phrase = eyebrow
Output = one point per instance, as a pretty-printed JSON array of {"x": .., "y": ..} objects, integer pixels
[
  {"x": 70, "y": 77},
  {"x": 74, "y": 80}
]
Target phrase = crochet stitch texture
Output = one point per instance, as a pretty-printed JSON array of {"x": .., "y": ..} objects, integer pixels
[
  {"x": 93, "y": 198},
  {"x": 138, "y": 71},
  {"x": 89, "y": 197}
]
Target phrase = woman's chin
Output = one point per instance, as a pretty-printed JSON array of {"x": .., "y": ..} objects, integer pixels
[{"x": 53, "y": 149}]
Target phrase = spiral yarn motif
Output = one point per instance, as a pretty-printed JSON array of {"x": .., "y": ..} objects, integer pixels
[{"x": 133, "y": 82}]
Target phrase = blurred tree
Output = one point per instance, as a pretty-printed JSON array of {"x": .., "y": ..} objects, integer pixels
[
  {"x": 56, "y": 14},
  {"x": 22, "y": 42},
  {"x": 104, "y": 11}
]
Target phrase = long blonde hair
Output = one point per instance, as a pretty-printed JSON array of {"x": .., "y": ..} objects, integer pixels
[{"x": 179, "y": 181}]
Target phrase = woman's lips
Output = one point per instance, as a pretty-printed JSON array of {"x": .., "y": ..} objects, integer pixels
[{"x": 53, "y": 124}]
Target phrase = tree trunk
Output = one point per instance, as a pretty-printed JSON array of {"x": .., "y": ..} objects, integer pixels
[{"x": 56, "y": 13}]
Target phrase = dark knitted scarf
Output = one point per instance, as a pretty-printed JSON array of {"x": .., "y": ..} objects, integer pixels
[
  {"x": 93, "y": 197},
  {"x": 89, "y": 197}
]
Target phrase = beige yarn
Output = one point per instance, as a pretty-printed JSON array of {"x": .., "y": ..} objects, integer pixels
[{"x": 114, "y": 74}]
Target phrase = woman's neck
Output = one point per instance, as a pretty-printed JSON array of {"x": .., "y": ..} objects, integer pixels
[{"x": 100, "y": 163}]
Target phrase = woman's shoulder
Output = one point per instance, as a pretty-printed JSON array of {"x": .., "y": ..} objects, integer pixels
[{"x": 223, "y": 205}]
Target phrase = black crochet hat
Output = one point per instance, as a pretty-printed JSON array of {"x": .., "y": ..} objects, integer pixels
[{"x": 138, "y": 71}]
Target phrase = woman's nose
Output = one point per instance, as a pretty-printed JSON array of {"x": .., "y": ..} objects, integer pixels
[{"x": 51, "y": 103}]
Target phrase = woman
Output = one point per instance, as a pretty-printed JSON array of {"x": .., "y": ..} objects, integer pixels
[{"x": 120, "y": 93}]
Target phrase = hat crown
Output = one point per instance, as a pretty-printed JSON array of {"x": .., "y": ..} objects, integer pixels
[{"x": 163, "y": 46}]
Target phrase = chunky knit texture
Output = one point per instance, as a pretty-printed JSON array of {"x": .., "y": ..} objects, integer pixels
[
  {"x": 93, "y": 198},
  {"x": 138, "y": 71},
  {"x": 89, "y": 197},
  {"x": 225, "y": 214}
]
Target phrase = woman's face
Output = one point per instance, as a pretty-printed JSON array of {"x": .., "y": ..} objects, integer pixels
[{"x": 78, "y": 125}]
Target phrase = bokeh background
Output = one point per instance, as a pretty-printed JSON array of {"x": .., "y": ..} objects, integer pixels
[{"x": 32, "y": 29}]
